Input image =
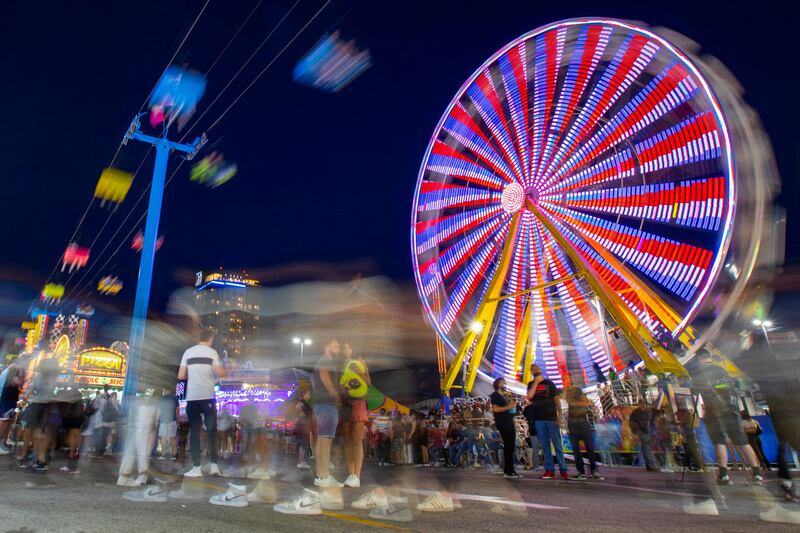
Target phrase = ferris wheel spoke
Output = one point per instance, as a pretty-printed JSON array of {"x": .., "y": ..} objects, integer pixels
[
  {"x": 434, "y": 232},
  {"x": 462, "y": 128},
  {"x": 435, "y": 196},
  {"x": 666, "y": 92},
  {"x": 447, "y": 161},
  {"x": 695, "y": 203},
  {"x": 549, "y": 50},
  {"x": 694, "y": 140},
  {"x": 483, "y": 95},
  {"x": 588, "y": 50},
  {"x": 513, "y": 69},
  {"x": 632, "y": 57}
]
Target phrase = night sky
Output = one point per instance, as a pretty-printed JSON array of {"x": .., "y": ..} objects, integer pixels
[{"x": 322, "y": 177}]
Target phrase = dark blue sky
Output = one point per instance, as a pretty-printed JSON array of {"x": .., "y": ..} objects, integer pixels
[{"x": 321, "y": 177}]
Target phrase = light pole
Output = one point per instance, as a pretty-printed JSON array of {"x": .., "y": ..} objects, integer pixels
[
  {"x": 303, "y": 343},
  {"x": 764, "y": 324},
  {"x": 163, "y": 149}
]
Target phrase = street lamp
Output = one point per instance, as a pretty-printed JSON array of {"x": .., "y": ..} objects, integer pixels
[
  {"x": 476, "y": 327},
  {"x": 303, "y": 343},
  {"x": 764, "y": 324}
]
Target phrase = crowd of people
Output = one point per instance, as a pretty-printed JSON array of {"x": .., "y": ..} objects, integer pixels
[{"x": 329, "y": 419}]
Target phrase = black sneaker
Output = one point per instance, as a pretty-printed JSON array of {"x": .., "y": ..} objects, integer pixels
[
  {"x": 22, "y": 463},
  {"x": 724, "y": 479},
  {"x": 579, "y": 476},
  {"x": 598, "y": 476},
  {"x": 512, "y": 476},
  {"x": 40, "y": 467}
]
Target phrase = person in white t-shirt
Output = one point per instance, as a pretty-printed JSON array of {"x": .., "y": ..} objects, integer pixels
[{"x": 200, "y": 367}]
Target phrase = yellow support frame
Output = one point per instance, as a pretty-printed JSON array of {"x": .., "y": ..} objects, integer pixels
[{"x": 484, "y": 315}]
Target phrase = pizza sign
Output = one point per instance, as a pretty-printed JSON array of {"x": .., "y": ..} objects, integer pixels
[{"x": 100, "y": 361}]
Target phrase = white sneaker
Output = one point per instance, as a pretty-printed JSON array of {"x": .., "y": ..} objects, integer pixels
[
  {"x": 151, "y": 494},
  {"x": 352, "y": 482},
  {"x": 4, "y": 450},
  {"x": 304, "y": 466},
  {"x": 261, "y": 473},
  {"x": 263, "y": 492},
  {"x": 307, "y": 503},
  {"x": 127, "y": 481},
  {"x": 196, "y": 471},
  {"x": 374, "y": 499},
  {"x": 705, "y": 508},
  {"x": 213, "y": 470},
  {"x": 780, "y": 514},
  {"x": 330, "y": 501},
  {"x": 327, "y": 482},
  {"x": 142, "y": 479},
  {"x": 436, "y": 503},
  {"x": 235, "y": 496}
]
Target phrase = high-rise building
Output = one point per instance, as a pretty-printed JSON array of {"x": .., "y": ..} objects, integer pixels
[{"x": 230, "y": 304}]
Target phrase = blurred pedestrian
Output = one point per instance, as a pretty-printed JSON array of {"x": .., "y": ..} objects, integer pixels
[
  {"x": 504, "y": 408},
  {"x": 355, "y": 382},
  {"x": 10, "y": 384},
  {"x": 722, "y": 416},
  {"x": 45, "y": 416},
  {"x": 580, "y": 431},
  {"x": 545, "y": 412},
  {"x": 200, "y": 367},
  {"x": 324, "y": 381},
  {"x": 641, "y": 424}
]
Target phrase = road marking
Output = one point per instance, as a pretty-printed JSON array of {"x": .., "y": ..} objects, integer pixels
[{"x": 364, "y": 521}]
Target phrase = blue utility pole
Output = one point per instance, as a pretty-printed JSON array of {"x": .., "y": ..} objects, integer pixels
[{"x": 163, "y": 148}]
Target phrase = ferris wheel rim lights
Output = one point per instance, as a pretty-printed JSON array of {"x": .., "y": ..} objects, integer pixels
[{"x": 509, "y": 197}]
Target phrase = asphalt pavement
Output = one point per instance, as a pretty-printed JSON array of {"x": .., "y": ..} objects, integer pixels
[{"x": 629, "y": 499}]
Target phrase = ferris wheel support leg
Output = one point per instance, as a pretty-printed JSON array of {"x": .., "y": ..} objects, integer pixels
[
  {"x": 522, "y": 348},
  {"x": 640, "y": 337},
  {"x": 484, "y": 316}
]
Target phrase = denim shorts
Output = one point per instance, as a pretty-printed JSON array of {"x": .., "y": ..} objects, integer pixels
[{"x": 327, "y": 415}]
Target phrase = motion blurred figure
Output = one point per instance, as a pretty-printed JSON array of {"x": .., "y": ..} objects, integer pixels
[
  {"x": 200, "y": 366},
  {"x": 355, "y": 381},
  {"x": 326, "y": 409},
  {"x": 774, "y": 367},
  {"x": 722, "y": 416}
]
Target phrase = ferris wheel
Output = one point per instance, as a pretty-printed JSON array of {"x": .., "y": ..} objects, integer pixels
[{"x": 581, "y": 180}]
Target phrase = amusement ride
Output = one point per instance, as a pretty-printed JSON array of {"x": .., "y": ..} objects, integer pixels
[{"x": 576, "y": 206}]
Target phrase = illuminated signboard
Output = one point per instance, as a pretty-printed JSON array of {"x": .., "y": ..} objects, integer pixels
[
  {"x": 98, "y": 380},
  {"x": 100, "y": 361}
]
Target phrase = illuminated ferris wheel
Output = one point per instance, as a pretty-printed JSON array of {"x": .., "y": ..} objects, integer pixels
[{"x": 581, "y": 180}]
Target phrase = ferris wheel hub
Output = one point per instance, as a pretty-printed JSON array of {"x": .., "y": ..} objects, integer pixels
[{"x": 513, "y": 198}]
